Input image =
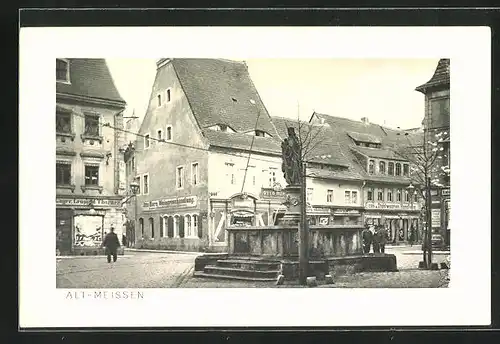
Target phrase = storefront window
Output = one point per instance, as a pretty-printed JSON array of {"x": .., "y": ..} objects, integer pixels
[{"x": 88, "y": 230}]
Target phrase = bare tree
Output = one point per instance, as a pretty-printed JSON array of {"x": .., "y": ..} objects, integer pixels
[{"x": 429, "y": 168}]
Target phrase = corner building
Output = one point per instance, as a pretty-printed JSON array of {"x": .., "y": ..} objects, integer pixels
[{"x": 90, "y": 171}]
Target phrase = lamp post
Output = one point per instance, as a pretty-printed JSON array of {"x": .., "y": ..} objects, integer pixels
[{"x": 134, "y": 187}]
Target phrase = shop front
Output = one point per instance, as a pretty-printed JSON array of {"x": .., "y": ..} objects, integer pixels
[
  {"x": 82, "y": 223},
  {"x": 400, "y": 219}
]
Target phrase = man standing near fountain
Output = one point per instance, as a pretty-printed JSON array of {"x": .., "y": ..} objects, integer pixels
[{"x": 367, "y": 237}]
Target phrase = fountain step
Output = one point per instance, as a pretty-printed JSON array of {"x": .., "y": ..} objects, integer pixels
[
  {"x": 240, "y": 272},
  {"x": 249, "y": 264},
  {"x": 240, "y": 278}
]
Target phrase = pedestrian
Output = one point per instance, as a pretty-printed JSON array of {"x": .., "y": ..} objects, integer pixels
[
  {"x": 124, "y": 240},
  {"x": 382, "y": 238},
  {"x": 111, "y": 244},
  {"x": 375, "y": 240},
  {"x": 411, "y": 236},
  {"x": 366, "y": 236}
]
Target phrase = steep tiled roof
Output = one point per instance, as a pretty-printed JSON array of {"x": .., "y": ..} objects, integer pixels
[
  {"x": 221, "y": 92},
  {"x": 241, "y": 141},
  {"x": 321, "y": 145},
  {"x": 363, "y": 137},
  {"x": 90, "y": 78},
  {"x": 378, "y": 153},
  {"x": 341, "y": 174},
  {"x": 441, "y": 76}
]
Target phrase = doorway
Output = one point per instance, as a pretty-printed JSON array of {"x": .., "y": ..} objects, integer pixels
[{"x": 64, "y": 224}]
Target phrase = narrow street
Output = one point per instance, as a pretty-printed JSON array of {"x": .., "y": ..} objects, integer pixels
[{"x": 173, "y": 270}]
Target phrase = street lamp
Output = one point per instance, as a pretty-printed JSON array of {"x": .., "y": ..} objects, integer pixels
[{"x": 134, "y": 187}]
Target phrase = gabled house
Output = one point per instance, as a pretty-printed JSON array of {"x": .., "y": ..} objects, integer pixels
[
  {"x": 207, "y": 155},
  {"x": 90, "y": 170},
  {"x": 386, "y": 196}
]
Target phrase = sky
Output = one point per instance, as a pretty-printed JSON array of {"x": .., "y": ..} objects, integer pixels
[{"x": 383, "y": 90}]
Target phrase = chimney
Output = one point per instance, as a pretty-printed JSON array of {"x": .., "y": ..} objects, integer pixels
[{"x": 365, "y": 120}]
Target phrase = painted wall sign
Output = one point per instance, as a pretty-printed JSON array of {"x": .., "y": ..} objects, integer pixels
[
  {"x": 323, "y": 220},
  {"x": 268, "y": 193},
  {"x": 88, "y": 231},
  {"x": 190, "y": 201},
  {"x": 385, "y": 205},
  {"x": 85, "y": 202},
  {"x": 242, "y": 203},
  {"x": 436, "y": 217},
  {"x": 445, "y": 192}
]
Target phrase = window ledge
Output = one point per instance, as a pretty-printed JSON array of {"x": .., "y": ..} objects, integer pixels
[
  {"x": 66, "y": 135},
  {"x": 91, "y": 137},
  {"x": 92, "y": 155},
  {"x": 91, "y": 187},
  {"x": 66, "y": 186}
]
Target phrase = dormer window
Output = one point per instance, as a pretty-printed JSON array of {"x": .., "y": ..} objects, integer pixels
[
  {"x": 381, "y": 167},
  {"x": 221, "y": 127},
  {"x": 398, "y": 169},
  {"x": 390, "y": 170},
  {"x": 260, "y": 133},
  {"x": 62, "y": 70},
  {"x": 159, "y": 100},
  {"x": 371, "y": 167}
]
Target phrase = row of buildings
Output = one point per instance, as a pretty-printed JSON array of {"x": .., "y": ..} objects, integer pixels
[{"x": 208, "y": 155}]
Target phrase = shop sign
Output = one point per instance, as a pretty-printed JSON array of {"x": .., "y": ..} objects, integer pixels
[
  {"x": 382, "y": 205},
  {"x": 85, "y": 202},
  {"x": 269, "y": 193},
  {"x": 434, "y": 192},
  {"x": 436, "y": 217},
  {"x": 345, "y": 212},
  {"x": 445, "y": 192},
  {"x": 189, "y": 201},
  {"x": 239, "y": 202}
]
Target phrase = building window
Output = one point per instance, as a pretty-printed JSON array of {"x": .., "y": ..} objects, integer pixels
[
  {"x": 168, "y": 96},
  {"x": 230, "y": 173},
  {"x": 91, "y": 175},
  {"x": 162, "y": 226},
  {"x": 371, "y": 167},
  {"x": 138, "y": 181},
  {"x": 406, "y": 170},
  {"x": 63, "y": 174},
  {"x": 63, "y": 122},
  {"x": 176, "y": 226},
  {"x": 194, "y": 173},
  {"x": 145, "y": 180},
  {"x": 309, "y": 195},
  {"x": 159, "y": 100},
  {"x": 329, "y": 196},
  {"x": 62, "y": 70},
  {"x": 398, "y": 169},
  {"x": 354, "y": 196},
  {"x": 390, "y": 169},
  {"x": 347, "y": 196},
  {"x": 180, "y": 177},
  {"x": 188, "y": 225},
  {"x": 381, "y": 167},
  {"x": 146, "y": 141},
  {"x": 380, "y": 195},
  {"x": 133, "y": 163},
  {"x": 141, "y": 226},
  {"x": 398, "y": 195},
  {"x": 440, "y": 113},
  {"x": 195, "y": 226},
  {"x": 160, "y": 134},
  {"x": 369, "y": 195},
  {"x": 152, "y": 227},
  {"x": 272, "y": 177},
  {"x": 169, "y": 133},
  {"x": 91, "y": 125},
  {"x": 389, "y": 195}
]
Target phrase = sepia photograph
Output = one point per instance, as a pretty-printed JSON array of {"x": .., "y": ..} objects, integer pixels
[
  {"x": 222, "y": 180},
  {"x": 213, "y": 183}
]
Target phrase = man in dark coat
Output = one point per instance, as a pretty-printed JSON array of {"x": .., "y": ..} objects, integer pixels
[
  {"x": 382, "y": 237},
  {"x": 367, "y": 237},
  {"x": 111, "y": 244}
]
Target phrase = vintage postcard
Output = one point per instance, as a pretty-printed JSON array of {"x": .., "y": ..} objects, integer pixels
[{"x": 304, "y": 171}]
